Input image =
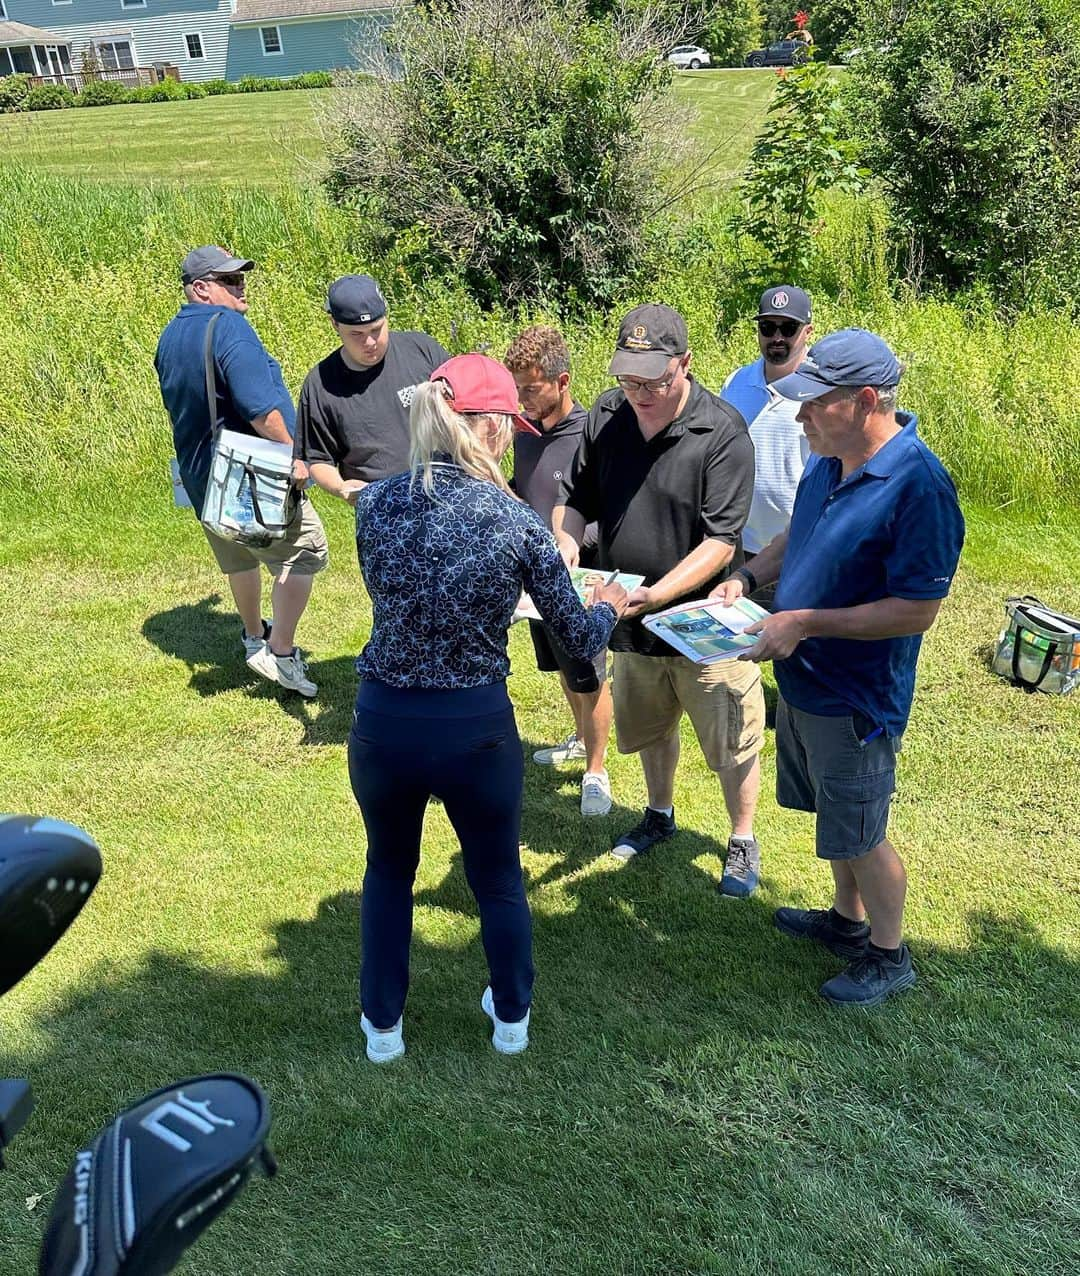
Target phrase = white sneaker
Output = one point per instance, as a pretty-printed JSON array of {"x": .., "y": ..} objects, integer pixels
[
  {"x": 252, "y": 646},
  {"x": 383, "y": 1047},
  {"x": 288, "y": 671},
  {"x": 569, "y": 750},
  {"x": 508, "y": 1038},
  {"x": 595, "y": 793}
]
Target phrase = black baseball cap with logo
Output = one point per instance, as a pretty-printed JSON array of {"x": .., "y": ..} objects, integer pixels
[
  {"x": 649, "y": 337},
  {"x": 355, "y": 299},
  {"x": 787, "y": 302}
]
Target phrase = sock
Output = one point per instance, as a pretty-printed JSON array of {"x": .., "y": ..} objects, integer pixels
[
  {"x": 844, "y": 924},
  {"x": 669, "y": 811},
  {"x": 893, "y": 954}
]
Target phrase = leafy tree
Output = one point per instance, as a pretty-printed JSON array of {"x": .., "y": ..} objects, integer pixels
[
  {"x": 730, "y": 30},
  {"x": 801, "y": 152},
  {"x": 971, "y": 118},
  {"x": 517, "y": 144}
]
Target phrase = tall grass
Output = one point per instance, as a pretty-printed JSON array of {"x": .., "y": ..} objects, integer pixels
[{"x": 95, "y": 279}]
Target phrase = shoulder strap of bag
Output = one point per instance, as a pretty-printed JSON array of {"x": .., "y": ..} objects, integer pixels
[{"x": 211, "y": 381}]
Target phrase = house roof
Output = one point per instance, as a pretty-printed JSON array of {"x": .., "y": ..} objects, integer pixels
[
  {"x": 14, "y": 33},
  {"x": 249, "y": 11}
]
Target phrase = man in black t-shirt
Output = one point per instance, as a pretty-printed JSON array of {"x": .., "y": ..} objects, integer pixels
[
  {"x": 666, "y": 469},
  {"x": 353, "y": 421},
  {"x": 540, "y": 364}
]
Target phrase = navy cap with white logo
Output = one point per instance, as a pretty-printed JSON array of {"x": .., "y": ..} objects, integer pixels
[
  {"x": 786, "y": 301},
  {"x": 355, "y": 299},
  {"x": 851, "y": 357}
]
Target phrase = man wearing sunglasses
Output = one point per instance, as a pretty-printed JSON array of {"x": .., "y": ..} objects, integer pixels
[
  {"x": 251, "y": 399},
  {"x": 666, "y": 471},
  {"x": 784, "y": 329}
]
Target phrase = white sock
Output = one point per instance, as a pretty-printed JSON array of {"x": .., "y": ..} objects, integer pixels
[{"x": 669, "y": 811}]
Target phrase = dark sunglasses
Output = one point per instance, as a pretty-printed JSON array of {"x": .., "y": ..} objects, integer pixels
[
  {"x": 230, "y": 281},
  {"x": 770, "y": 327}
]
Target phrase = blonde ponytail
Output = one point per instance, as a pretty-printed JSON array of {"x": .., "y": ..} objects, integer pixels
[{"x": 434, "y": 427}]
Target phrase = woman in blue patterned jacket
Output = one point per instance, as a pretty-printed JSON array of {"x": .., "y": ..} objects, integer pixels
[{"x": 446, "y": 550}]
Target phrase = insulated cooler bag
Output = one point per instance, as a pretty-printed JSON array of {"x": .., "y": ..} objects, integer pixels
[{"x": 1039, "y": 648}]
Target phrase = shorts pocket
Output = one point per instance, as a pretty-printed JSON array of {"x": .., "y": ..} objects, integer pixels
[
  {"x": 853, "y": 812},
  {"x": 488, "y": 744}
]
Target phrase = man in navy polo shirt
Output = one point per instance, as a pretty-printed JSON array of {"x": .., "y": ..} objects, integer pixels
[{"x": 874, "y": 540}]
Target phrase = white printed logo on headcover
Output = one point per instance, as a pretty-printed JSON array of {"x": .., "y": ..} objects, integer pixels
[
  {"x": 190, "y": 1111},
  {"x": 779, "y": 300}
]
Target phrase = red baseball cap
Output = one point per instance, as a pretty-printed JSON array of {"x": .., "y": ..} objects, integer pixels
[{"x": 480, "y": 384}]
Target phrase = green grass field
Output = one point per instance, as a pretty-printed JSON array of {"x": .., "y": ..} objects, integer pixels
[
  {"x": 689, "y": 1106},
  {"x": 268, "y": 139}
]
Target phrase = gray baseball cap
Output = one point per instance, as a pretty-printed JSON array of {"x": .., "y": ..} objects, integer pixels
[
  {"x": 851, "y": 357},
  {"x": 212, "y": 259}
]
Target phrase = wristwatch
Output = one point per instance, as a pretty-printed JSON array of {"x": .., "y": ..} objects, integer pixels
[{"x": 748, "y": 576}]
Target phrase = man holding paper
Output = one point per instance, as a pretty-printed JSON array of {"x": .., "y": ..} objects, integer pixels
[
  {"x": 874, "y": 540},
  {"x": 666, "y": 470},
  {"x": 251, "y": 398}
]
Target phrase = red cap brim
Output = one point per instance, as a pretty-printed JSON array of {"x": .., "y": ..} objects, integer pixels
[{"x": 523, "y": 426}]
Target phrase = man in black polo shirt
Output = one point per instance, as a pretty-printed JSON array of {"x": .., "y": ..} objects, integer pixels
[
  {"x": 540, "y": 364},
  {"x": 353, "y": 422},
  {"x": 666, "y": 469}
]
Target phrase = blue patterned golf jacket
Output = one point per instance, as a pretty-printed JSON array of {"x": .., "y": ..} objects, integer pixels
[{"x": 445, "y": 573}]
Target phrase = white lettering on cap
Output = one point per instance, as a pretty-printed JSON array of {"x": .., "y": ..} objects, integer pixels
[
  {"x": 364, "y": 319},
  {"x": 780, "y": 299}
]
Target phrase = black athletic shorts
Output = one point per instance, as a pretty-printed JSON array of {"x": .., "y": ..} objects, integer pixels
[{"x": 581, "y": 675}]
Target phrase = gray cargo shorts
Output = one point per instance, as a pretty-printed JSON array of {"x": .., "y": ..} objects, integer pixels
[{"x": 827, "y": 766}]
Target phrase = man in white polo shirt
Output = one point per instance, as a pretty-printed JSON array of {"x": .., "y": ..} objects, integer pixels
[{"x": 780, "y": 447}]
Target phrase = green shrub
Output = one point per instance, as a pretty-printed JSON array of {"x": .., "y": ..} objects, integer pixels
[
  {"x": 313, "y": 80},
  {"x": 971, "y": 117},
  {"x": 517, "y": 143},
  {"x": 216, "y": 88},
  {"x": 102, "y": 93},
  {"x": 261, "y": 84},
  {"x": 14, "y": 90},
  {"x": 49, "y": 97},
  {"x": 193, "y": 91},
  {"x": 730, "y": 31}
]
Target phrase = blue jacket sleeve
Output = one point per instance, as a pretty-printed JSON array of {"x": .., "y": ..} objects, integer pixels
[{"x": 581, "y": 631}]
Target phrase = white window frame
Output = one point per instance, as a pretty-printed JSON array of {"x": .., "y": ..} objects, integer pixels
[
  {"x": 272, "y": 53},
  {"x": 132, "y": 4},
  {"x": 4, "y": 18},
  {"x": 114, "y": 40},
  {"x": 10, "y": 62},
  {"x": 187, "y": 48},
  {"x": 59, "y": 2}
]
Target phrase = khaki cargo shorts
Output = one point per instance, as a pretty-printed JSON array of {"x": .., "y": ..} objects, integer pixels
[
  {"x": 302, "y": 551},
  {"x": 724, "y": 700}
]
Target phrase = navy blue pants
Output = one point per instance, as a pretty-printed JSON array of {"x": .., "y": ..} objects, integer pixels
[{"x": 462, "y": 747}]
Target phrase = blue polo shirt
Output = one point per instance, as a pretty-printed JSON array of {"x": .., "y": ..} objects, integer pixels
[
  {"x": 249, "y": 384},
  {"x": 891, "y": 529}
]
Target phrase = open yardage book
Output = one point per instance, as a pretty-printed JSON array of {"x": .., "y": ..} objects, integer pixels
[
  {"x": 706, "y": 630},
  {"x": 583, "y": 579}
]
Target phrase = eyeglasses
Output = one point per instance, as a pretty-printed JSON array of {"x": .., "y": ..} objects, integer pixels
[
  {"x": 230, "y": 281},
  {"x": 770, "y": 327},
  {"x": 632, "y": 386}
]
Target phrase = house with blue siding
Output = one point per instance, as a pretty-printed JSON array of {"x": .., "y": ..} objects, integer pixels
[{"x": 201, "y": 39}]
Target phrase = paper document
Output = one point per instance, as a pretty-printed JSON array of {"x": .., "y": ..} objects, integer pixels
[
  {"x": 584, "y": 579},
  {"x": 705, "y": 631}
]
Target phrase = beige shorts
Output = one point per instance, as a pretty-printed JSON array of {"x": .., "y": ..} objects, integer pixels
[
  {"x": 724, "y": 700},
  {"x": 302, "y": 551}
]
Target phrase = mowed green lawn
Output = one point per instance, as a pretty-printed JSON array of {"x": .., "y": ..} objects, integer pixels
[
  {"x": 267, "y": 139},
  {"x": 688, "y": 1103}
]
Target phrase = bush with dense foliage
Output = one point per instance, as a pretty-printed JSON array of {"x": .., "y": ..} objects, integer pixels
[
  {"x": 49, "y": 97},
  {"x": 516, "y": 142},
  {"x": 102, "y": 93},
  {"x": 971, "y": 118},
  {"x": 14, "y": 90},
  {"x": 730, "y": 30}
]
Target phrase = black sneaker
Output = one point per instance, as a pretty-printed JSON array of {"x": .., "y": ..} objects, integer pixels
[
  {"x": 870, "y": 979},
  {"x": 654, "y": 827},
  {"x": 742, "y": 868},
  {"x": 817, "y": 923}
]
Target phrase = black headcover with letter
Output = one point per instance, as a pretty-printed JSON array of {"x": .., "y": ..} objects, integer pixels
[
  {"x": 156, "y": 1178},
  {"x": 47, "y": 871}
]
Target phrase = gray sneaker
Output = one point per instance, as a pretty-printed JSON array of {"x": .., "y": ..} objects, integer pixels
[
  {"x": 742, "y": 869},
  {"x": 595, "y": 793},
  {"x": 252, "y": 646},
  {"x": 569, "y": 750},
  {"x": 288, "y": 671}
]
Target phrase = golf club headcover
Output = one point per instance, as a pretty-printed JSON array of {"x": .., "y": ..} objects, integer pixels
[
  {"x": 152, "y": 1182},
  {"x": 47, "y": 871}
]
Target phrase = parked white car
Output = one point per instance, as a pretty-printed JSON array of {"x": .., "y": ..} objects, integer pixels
[{"x": 689, "y": 57}]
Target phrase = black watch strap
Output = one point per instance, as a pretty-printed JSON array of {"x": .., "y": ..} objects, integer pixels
[{"x": 749, "y": 577}]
